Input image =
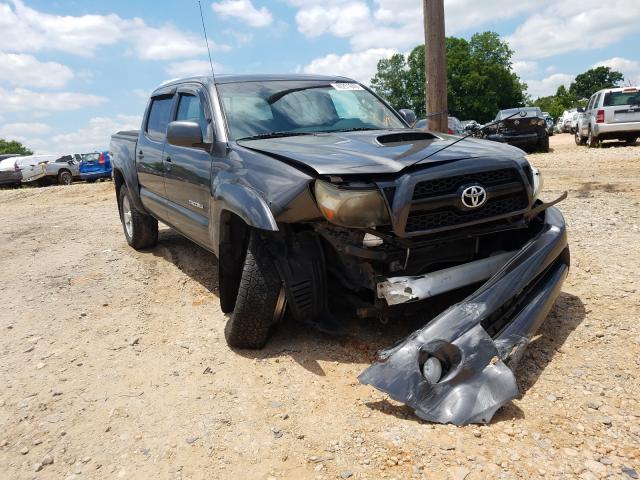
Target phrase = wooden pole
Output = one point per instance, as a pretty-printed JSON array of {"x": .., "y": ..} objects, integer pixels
[{"x": 435, "y": 64}]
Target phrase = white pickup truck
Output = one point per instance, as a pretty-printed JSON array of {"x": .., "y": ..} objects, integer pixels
[{"x": 612, "y": 113}]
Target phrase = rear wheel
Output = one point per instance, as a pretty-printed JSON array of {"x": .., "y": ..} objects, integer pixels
[
  {"x": 261, "y": 300},
  {"x": 65, "y": 177},
  {"x": 140, "y": 229},
  {"x": 592, "y": 140},
  {"x": 580, "y": 140},
  {"x": 631, "y": 140}
]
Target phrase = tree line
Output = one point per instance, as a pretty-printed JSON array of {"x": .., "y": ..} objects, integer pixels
[{"x": 481, "y": 81}]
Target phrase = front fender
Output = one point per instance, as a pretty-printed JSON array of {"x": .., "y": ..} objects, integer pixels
[{"x": 243, "y": 201}]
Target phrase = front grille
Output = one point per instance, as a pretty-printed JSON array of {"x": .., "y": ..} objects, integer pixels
[
  {"x": 420, "y": 221},
  {"x": 443, "y": 186}
]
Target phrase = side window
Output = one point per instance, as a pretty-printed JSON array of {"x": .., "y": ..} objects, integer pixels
[
  {"x": 596, "y": 103},
  {"x": 590, "y": 105},
  {"x": 190, "y": 109},
  {"x": 159, "y": 118}
]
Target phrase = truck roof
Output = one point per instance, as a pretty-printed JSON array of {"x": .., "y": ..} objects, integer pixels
[{"x": 255, "y": 77}]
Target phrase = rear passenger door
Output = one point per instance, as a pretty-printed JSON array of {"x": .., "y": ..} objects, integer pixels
[
  {"x": 188, "y": 169},
  {"x": 149, "y": 154}
]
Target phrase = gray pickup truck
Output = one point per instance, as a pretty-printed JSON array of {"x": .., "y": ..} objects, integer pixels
[{"x": 312, "y": 188}]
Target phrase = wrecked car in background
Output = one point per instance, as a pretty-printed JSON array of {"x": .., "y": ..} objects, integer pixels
[
  {"x": 527, "y": 131},
  {"x": 310, "y": 187}
]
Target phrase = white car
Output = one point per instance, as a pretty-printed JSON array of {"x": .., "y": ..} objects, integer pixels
[{"x": 612, "y": 113}]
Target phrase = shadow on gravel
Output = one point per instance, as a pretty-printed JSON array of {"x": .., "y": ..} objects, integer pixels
[
  {"x": 192, "y": 260},
  {"x": 359, "y": 340},
  {"x": 564, "y": 318}
]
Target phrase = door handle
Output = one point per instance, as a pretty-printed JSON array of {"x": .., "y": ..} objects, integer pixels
[
  {"x": 167, "y": 167},
  {"x": 140, "y": 154}
]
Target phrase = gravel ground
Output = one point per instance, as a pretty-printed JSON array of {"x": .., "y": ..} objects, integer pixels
[{"x": 114, "y": 363}]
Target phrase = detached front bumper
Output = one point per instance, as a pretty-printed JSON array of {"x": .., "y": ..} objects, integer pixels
[{"x": 477, "y": 338}]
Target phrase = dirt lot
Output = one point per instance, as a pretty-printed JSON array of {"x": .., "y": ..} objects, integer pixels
[{"x": 114, "y": 363}]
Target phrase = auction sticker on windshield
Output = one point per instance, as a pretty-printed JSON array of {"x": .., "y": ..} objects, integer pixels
[{"x": 346, "y": 86}]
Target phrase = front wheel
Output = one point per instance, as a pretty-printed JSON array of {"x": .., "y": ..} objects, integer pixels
[
  {"x": 631, "y": 140},
  {"x": 261, "y": 300},
  {"x": 580, "y": 140},
  {"x": 140, "y": 229}
]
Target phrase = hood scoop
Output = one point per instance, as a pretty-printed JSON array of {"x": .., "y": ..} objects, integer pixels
[{"x": 393, "y": 139}]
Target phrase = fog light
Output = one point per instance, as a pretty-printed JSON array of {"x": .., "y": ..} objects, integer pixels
[
  {"x": 371, "y": 240},
  {"x": 432, "y": 370}
]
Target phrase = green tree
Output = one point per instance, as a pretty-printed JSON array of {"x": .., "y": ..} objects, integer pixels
[
  {"x": 391, "y": 81},
  {"x": 12, "y": 146},
  {"x": 558, "y": 103},
  {"x": 481, "y": 80},
  {"x": 589, "y": 82}
]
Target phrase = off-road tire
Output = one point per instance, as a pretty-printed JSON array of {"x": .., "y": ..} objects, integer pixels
[
  {"x": 144, "y": 228},
  {"x": 257, "y": 305},
  {"x": 65, "y": 178},
  {"x": 631, "y": 140},
  {"x": 592, "y": 140},
  {"x": 579, "y": 139}
]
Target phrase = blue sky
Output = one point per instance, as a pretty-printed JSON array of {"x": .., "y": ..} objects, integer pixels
[{"x": 72, "y": 72}]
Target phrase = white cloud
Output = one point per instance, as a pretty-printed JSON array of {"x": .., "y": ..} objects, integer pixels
[
  {"x": 360, "y": 66},
  {"x": 163, "y": 43},
  {"x": 524, "y": 67},
  {"x": 398, "y": 23},
  {"x": 23, "y": 100},
  {"x": 244, "y": 10},
  {"x": 95, "y": 136},
  {"x": 190, "y": 68},
  {"x": 548, "y": 85},
  {"x": 629, "y": 68},
  {"x": 574, "y": 25},
  {"x": 23, "y": 131},
  {"x": 28, "y": 71},
  {"x": 28, "y": 30}
]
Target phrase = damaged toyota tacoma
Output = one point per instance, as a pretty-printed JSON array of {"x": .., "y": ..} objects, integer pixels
[{"x": 312, "y": 188}]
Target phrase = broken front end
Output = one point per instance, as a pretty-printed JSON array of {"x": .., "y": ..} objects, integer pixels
[{"x": 429, "y": 232}]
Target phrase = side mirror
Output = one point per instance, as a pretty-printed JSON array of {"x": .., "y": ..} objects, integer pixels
[
  {"x": 408, "y": 115},
  {"x": 184, "y": 134},
  {"x": 580, "y": 110}
]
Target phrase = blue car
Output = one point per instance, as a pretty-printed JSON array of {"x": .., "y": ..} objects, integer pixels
[{"x": 95, "y": 166}]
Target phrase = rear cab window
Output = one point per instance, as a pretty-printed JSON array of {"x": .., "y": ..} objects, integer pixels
[{"x": 158, "y": 120}]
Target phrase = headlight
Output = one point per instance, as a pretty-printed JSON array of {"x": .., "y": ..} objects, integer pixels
[
  {"x": 537, "y": 182},
  {"x": 351, "y": 207}
]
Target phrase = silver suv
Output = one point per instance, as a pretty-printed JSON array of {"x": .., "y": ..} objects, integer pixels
[{"x": 612, "y": 113}]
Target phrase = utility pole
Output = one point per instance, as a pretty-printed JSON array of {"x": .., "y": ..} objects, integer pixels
[{"x": 435, "y": 64}]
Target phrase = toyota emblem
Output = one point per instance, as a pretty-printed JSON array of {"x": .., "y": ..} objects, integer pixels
[{"x": 474, "y": 196}]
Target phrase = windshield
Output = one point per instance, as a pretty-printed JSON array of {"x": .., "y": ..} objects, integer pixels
[{"x": 302, "y": 106}]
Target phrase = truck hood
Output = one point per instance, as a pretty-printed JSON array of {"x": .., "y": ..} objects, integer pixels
[{"x": 375, "y": 152}]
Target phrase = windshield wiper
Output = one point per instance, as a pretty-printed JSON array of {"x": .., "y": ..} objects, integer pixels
[
  {"x": 275, "y": 135},
  {"x": 354, "y": 129}
]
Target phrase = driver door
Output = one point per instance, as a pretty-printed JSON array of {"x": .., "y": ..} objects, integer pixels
[{"x": 188, "y": 169}]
